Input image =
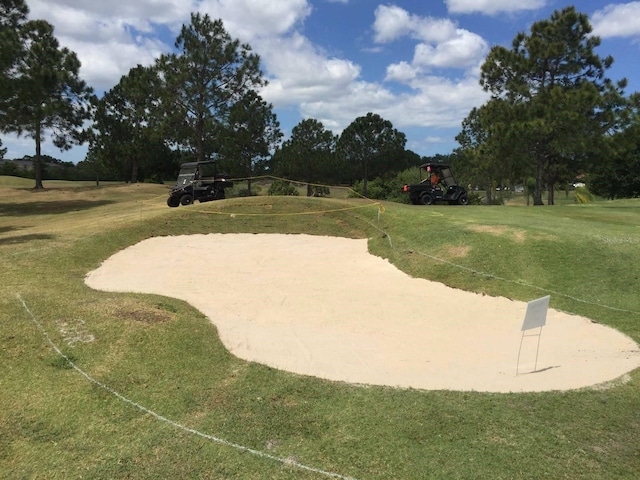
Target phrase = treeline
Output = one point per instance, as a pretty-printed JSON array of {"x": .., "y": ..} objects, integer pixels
[
  {"x": 54, "y": 169},
  {"x": 553, "y": 115}
]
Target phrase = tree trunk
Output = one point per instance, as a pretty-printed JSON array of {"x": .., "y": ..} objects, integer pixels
[
  {"x": 537, "y": 194},
  {"x": 134, "y": 171},
  {"x": 489, "y": 192},
  {"x": 249, "y": 171},
  {"x": 550, "y": 194},
  {"x": 199, "y": 139},
  {"x": 365, "y": 179},
  {"x": 37, "y": 163}
]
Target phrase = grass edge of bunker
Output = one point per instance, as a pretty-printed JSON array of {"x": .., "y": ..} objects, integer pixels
[
  {"x": 439, "y": 186},
  {"x": 198, "y": 181}
]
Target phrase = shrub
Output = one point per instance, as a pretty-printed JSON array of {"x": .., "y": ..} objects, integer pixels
[
  {"x": 320, "y": 191},
  {"x": 475, "y": 198},
  {"x": 582, "y": 195},
  {"x": 282, "y": 187}
]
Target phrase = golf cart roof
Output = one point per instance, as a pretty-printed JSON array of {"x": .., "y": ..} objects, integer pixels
[
  {"x": 439, "y": 166},
  {"x": 195, "y": 164}
]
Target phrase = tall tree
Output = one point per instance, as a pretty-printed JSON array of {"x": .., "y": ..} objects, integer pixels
[
  {"x": 48, "y": 97},
  {"x": 210, "y": 72},
  {"x": 369, "y": 145},
  {"x": 556, "y": 83},
  {"x": 309, "y": 155},
  {"x": 477, "y": 150},
  {"x": 13, "y": 14},
  {"x": 126, "y": 135},
  {"x": 491, "y": 147},
  {"x": 252, "y": 132}
]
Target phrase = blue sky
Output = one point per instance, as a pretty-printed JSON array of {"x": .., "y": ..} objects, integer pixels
[{"x": 413, "y": 62}]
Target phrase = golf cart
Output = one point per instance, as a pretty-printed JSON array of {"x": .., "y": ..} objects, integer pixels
[
  {"x": 439, "y": 187},
  {"x": 198, "y": 181}
]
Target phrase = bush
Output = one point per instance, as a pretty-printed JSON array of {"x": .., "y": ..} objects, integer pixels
[
  {"x": 475, "y": 198},
  {"x": 388, "y": 188},
  {"x": 154, "y": 178},
  {"x": 582, "y": 195},
  {"x": 282, "y": 187},
  {"x": 320, "y": 191}
]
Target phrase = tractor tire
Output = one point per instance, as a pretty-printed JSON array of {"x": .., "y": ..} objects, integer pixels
[
  {"x": 426, "y": 199},
  {"x": 463, "y": 199},
  {"x": 186, "y": 200},
  {"x": 173, "y": 202}
]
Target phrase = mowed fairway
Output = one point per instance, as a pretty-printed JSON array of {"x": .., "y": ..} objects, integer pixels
[{"x": 152, "y": 392}]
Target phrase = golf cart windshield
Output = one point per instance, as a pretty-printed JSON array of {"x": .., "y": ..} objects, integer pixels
[
  {"x": 186, "y": 176},
  {"x": 446, "y": 176}
]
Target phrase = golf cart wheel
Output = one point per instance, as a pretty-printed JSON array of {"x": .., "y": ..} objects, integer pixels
[
  {"x": 426, "y": 199},
  {"x": 173, "y": 202},
  {"x": 463, "y": 200},
  {"x": 186, "y": 200}
]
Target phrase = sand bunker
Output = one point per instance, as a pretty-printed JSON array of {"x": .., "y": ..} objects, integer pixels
[{"x": 324, "y": 306}]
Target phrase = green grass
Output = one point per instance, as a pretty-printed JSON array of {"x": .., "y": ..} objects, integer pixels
[{"x": 166, "y": 357}]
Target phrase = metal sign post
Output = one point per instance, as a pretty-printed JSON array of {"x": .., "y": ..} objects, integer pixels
[{"x": 535, "y": 317}]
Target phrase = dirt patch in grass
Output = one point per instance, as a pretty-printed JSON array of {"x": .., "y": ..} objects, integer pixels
[
  {"x": 457, "y": 251},
  {"x": 134, "y": 311},
  {"x": 518, "y": 236},
  {"x": 494, "y": 229}
]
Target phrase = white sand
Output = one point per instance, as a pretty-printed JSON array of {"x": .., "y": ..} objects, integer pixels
[{"x": 324, "y": 306}]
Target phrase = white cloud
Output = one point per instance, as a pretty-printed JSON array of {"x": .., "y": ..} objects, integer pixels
[
  {"x": 332, "y": 90},
  {"x": 392, "y": 22},
  {"x": 141, "y": 13},
  {"x": 619, "y": 20},
  {"x": 439, "y": 102},
  {"x": 300, "y": 73},
  {"x": 103, "y": 64},
  {"x": 112, "y": 37},
  {"x": 493, "y": 7},
  {"x": 252, "y": 19},
  {"x": 443, "y": 45},
  {"x": 434, "y": 102},
  {"x": 336, "y": 113},
  {"x": 402, "y": 72},
  {"x": 464, "y": 50}
]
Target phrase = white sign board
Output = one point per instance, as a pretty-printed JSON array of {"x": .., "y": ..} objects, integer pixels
[{"x": 536, "y": 315}]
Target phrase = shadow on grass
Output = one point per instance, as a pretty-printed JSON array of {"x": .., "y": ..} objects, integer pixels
[
  {"x": 53, "y": 207},
  {"x": 25, "y": 238}
]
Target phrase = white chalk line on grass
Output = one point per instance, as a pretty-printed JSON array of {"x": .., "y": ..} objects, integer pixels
[{"x": 285, "y": 461}]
